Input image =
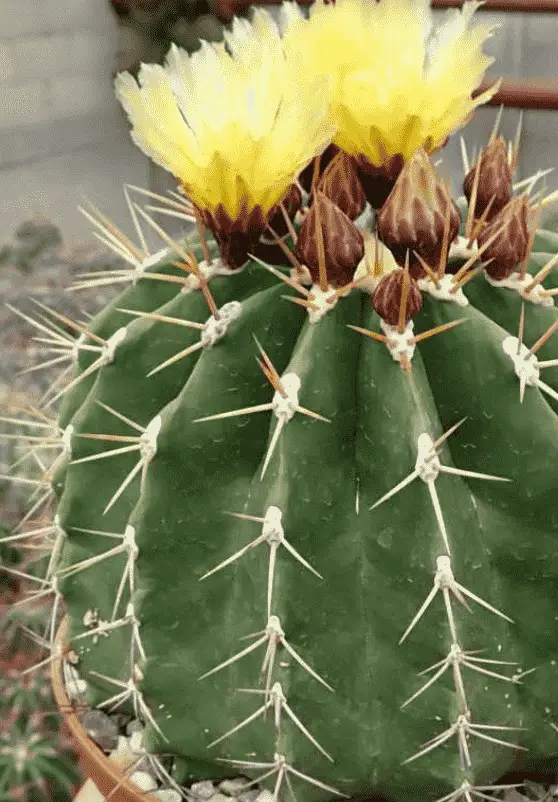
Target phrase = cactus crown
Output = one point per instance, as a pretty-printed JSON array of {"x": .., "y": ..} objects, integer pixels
[{"x": 318, "y": 446}]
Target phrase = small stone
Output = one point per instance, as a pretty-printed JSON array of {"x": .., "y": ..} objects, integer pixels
[
  {"x": 122, "y": 744},
  {"x": 167, "y": 795},
  {"x": 121, "y": 720},
  {"x": 126, "y": 746},
  {"x": 75, "y": 686},
  {"x": 136, "y": 741},
  {"x": 220, "y": 798},
  {"x": 204, "y": 789},
  {"x": 144, "y": 780},
  {"x": 265, "y": 796},
  {"x": 100, "y": 728},
  {"x": 249, "y": 796},
  {"x": 134, "y": 726},
  {"x": 233, "y": 787}
]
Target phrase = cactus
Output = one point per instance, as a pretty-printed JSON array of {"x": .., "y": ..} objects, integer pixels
[{"x": 304, "y": 523}]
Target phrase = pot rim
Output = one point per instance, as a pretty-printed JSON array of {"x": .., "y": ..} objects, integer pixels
[{"x": 107, "y": 773}]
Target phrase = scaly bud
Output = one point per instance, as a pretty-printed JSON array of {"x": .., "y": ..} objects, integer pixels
[
  {"x": 343, "y": 242},
  {"x": 495, "y": 179},
  {"x": 389, "y": 297},
  {"x": 378, "y": 182},
  {"x": 510, "y": 248},
  {"x": 341, "y": 184},
  {"x": 305, "y": 177},
  {"x": 292, "y": 201},
  {"x": 414, "y": 215},
  {"x": 235, "y": 238}
]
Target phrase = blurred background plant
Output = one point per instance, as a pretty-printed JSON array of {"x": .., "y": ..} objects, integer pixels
[
  {"x": 147, "y": 28},
  {"x": 36, "y": 760},
  {"x": 37, "y": 763}
]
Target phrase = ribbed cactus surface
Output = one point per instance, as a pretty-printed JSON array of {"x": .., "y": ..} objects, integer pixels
[{"x": 328, "y": 579}]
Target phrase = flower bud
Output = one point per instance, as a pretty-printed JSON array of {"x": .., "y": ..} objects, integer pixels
[
  {"x": 388, "y": 296},
  {"x": 292, "y": 201},
  {"x": 341, "y": 184},
  {"x": 495, "y": 179},
  {"x": 377, "y": 182},
  {"x": 343, "y": 242},
  {"x": 235, "y": 238},
  {"x": 511, "y": 247},
  {"x": 413, "y": 218},
  {"x": 305, "y": 177}
]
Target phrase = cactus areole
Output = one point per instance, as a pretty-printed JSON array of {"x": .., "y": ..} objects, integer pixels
[{"x": 305, "y": 513}]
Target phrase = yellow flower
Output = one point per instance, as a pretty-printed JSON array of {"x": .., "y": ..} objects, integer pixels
[
  {"x": 398, "y": 84},
  {"x": 234, "y": 127}
]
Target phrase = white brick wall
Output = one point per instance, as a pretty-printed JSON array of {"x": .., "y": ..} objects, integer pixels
[{"x": 56, "y": 61}]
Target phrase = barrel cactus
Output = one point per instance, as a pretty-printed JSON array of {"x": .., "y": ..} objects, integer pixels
[{"x": 304, "y": 517}]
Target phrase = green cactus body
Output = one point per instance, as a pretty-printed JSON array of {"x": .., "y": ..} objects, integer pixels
[{"x": 376, "y": 566}]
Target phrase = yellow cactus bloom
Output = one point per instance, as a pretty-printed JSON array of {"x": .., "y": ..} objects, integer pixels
[
  {"x": 398, "y": 83},
  {"x": 234, "y": 128}
]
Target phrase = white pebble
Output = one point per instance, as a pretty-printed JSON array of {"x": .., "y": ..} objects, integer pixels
[
  {"x": 76, "y": 688},
  {"x": 134, "y": 726},
  {"x": 265, "y": 796},
  {"x": 233, "y": 787},
  {"x": 136, "y": 739},
  {"x": 167, "y": 795},
  {"x": 249, "y": 796},
  {"x": 122, "y": 745},
  {"x": 144, "y": 781},
  {"x": 204, "y": 789},
  {"x": 220, "y": 798}
]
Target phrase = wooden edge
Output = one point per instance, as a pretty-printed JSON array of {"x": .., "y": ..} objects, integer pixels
[
  {"x": 525, "y": 93},
  {"x": 226, "y": 9},
  {"x": 523, "y": 6},
  {"x": 105, "y": 772}
]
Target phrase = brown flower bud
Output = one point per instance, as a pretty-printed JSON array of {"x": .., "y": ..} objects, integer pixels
[
  {"x": 305, "y": 177},
  {"x": 292, "y": 201},
  {"x": 377, "y": 182},
  {"x": 414, "y": 215},
  {"x": 388, "y": 297},
  {"x": 341, "y": 184},
  {"x": 511, "y": 247},
  {"x": 235, "y": 238},
  {"x": 495, "y": 179},
  {"x": 343, "y": 242}
]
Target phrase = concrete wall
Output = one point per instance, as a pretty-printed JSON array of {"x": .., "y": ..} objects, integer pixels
[
  {"x": 61, "y": 130},
  {"x": 55, "y": 63}
]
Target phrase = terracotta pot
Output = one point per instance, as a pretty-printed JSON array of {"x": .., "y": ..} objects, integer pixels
[{"x": 105, "y": 772}]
